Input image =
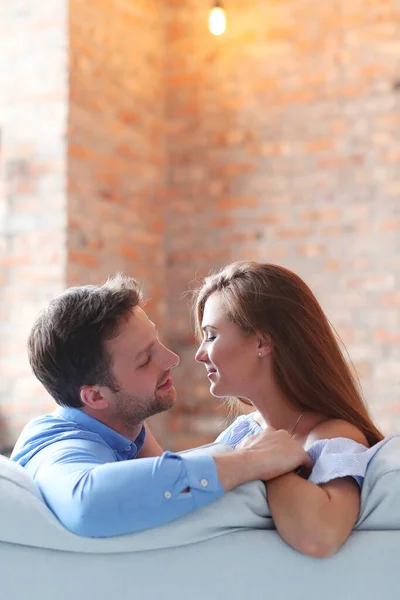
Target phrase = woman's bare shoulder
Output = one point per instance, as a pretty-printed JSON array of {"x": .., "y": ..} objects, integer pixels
[{"x": 332, "y": 428}]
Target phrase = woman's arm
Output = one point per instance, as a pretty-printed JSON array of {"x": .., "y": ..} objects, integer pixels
[
  {"x": 150, "y": 447},
  {"x": 316, "y": 519}
]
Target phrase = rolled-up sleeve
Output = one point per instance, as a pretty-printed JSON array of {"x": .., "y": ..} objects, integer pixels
[{"x": 94, "y": 496}]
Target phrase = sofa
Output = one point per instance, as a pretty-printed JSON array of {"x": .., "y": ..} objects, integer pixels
[{"x": 225, "y": 550}]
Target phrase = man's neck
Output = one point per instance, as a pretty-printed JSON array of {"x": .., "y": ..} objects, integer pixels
[{"x": 128, "y": 432}]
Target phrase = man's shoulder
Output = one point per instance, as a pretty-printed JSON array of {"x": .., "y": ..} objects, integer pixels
[
  {"x": 43, "y": 422},
  {"x": 44, "y": 431},
  {"x": 50, "y": 423}
]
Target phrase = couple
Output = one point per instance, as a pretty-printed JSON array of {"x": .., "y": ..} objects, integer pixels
[{"x": 263, "y": 339}]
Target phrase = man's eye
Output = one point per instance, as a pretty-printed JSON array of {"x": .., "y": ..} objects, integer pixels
[{"x": 145, "y": 363}]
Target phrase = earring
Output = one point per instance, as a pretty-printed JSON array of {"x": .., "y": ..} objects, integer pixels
[{"x": 260, "y": 354}]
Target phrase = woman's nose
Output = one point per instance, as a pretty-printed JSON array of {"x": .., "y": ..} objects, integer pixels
[{"x": 201, "y": 355}]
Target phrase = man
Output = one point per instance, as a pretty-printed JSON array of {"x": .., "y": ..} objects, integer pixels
[{"x": 97, "y": 353}]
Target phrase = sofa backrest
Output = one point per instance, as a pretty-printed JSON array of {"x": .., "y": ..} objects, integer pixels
[
  {"x": 380, "y": 496},
  {"x": 25, "y": 518},
  {"x": 16, "y": 475}
]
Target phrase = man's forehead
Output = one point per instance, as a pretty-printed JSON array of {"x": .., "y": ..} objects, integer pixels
[
  {"x": 140, "y": 323},
  {"x": 138, "y": 314},
  {"x": 144, "y": 334},
  {"x": 136, "y": 329}
]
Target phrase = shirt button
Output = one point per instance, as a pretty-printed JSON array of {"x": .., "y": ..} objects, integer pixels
[
  {"x": 204, "y": 482},
  {"x": 128, "y": 448},
  {"x": 167, "y": 495}
]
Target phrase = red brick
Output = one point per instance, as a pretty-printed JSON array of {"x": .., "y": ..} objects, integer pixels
[
  {"x": 175, "y": 165},
  {"x": 83, "y": 259}
]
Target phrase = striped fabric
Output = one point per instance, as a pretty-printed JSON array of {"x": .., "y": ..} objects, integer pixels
[{"x": 333, "y": 458}]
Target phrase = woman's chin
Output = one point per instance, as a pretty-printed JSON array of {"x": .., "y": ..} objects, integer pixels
[{"x": 218, "y": 391}]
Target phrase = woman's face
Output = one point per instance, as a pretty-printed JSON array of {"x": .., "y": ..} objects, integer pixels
[{"x": 230, "y": 357}]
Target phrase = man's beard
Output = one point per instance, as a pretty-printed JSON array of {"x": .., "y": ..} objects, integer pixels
[{"x": 133, "y": 410}]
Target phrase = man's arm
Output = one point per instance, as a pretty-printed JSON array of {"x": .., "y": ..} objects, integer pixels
[{"x": 95, "y": 496}]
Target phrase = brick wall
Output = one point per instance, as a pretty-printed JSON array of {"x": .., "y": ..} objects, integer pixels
[
  {"x": 284, "y": 146},
  {"x": 116, "y": 142},
  {"x": 278, "y": 141},
  {"x": 33, "y": 104},
  {"x": 74, "y": 213},
  {"x": 116, "y": 145}
]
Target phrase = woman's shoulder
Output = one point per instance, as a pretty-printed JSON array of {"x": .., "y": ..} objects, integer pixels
[
  {"x": 335, "y": 428},
  {"x": 242, "y": 427},
  {"x": 339, "y": 449}
]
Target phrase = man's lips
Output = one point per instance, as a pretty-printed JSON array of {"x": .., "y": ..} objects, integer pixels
[{"x": 166, "y": 385}]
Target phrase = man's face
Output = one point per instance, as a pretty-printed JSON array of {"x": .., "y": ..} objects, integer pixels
[{"x": 141, "y": 366}]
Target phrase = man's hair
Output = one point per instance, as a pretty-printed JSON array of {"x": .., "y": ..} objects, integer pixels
[{"x": 66, "y": 346}]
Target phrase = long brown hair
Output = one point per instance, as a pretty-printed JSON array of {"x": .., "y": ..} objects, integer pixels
[{"x": 307, "y": 361}]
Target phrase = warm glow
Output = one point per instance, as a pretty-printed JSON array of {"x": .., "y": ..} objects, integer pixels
[{"x": 217, "y": 21}]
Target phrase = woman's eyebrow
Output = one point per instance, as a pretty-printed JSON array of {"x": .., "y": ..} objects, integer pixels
[{"x": 204, "y": 327}]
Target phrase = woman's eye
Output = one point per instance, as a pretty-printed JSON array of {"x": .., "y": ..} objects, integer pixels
[{"x": 210, "y": 338}]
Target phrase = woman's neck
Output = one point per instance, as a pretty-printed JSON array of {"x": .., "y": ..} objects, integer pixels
[
  {"x": 274, "y": 408},
  {"x": 287, "y": 420}
]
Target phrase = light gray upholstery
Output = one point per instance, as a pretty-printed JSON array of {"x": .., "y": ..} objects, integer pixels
[{"x": 227, "y": 549}]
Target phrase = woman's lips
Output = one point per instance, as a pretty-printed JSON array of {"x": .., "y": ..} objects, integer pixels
[{"x": 211, "y": 372}]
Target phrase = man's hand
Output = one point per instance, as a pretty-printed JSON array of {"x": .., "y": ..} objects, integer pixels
[
  {"x": 274, "y": 453},
  {"x": 263, "y": 456}
]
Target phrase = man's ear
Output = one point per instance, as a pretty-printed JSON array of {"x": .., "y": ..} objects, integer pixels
[
  {"x": 92, "y": 397},
  {"x": 265, "y": 345}
]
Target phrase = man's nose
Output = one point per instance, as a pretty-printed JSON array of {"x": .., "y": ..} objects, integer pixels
[{"x": 173, "y": 359}]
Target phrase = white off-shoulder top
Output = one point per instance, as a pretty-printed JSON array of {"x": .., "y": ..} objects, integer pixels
[{"x": 333, "y": 458}]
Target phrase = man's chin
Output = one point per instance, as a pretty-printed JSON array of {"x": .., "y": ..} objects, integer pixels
[{"x": 166, "y": 400}]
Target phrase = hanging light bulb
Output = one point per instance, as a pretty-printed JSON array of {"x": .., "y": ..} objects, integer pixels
[{"x": 217, "y": 20}]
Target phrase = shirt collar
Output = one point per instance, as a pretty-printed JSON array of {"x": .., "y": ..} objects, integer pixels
[{"x": 122, "y": 445}]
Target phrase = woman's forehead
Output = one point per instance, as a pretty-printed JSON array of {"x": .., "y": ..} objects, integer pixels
[{"x": 214, "y": 310}]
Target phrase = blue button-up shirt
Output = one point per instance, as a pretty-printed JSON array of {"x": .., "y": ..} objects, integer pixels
[{"x": 87, "y": 478}]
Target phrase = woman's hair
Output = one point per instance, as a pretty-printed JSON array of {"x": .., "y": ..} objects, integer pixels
[{"x": 307, "y": 362}]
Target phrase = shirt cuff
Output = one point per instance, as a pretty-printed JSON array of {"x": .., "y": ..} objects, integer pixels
[{"x": 202, "y": 476}]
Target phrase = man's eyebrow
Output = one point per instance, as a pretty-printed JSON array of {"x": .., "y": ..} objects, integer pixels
[{"x": 204, "y": 327}]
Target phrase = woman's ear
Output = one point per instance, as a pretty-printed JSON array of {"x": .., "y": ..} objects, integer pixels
[{"x": 265, "y": 345}]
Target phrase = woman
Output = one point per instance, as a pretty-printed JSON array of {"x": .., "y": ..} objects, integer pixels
[{"x": 266, "y": 341}]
